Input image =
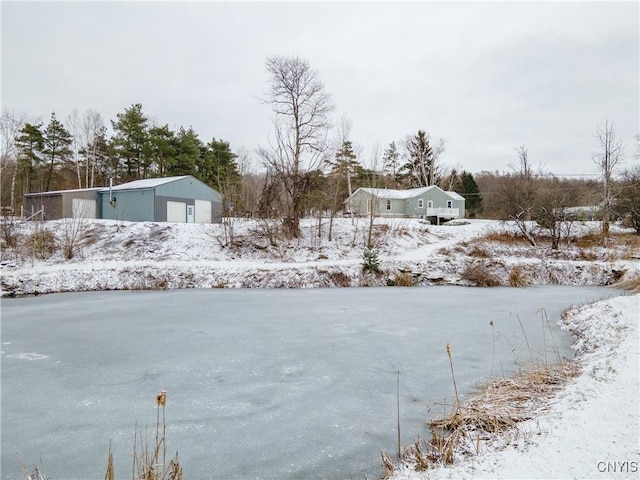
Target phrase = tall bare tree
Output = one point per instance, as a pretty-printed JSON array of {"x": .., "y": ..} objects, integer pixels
[
  {"x": 301, "y": 123},
  {"x": 517, "y": 194},
  {"x": 91, "y": 130},
  {"x": 610, "y": 153},
  {"x": 10, "y": 125}
]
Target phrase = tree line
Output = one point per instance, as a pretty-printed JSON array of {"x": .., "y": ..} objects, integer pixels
[
  {"x": 310, "y": 167},
  {"x": 82, "y": 154}
]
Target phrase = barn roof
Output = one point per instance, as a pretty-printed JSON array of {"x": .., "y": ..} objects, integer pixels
[
  {"x": 146, "y": 183},
  {"x": 60, "y": 192}
]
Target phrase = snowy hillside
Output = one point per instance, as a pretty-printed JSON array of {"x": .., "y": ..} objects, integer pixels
[{"x": 107, "y": 255}]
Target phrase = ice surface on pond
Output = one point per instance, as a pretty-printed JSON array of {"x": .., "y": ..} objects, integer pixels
[{"x": 261, "y": 383}]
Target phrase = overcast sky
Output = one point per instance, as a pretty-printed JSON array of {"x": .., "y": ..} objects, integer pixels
[{"x": 485, "y": 77}]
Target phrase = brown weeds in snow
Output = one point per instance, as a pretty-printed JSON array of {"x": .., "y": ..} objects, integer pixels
[
  {"x": 497, "y": 409},
  {"x": 478, "y": 273},
  {"x": 150, "y": 464}
]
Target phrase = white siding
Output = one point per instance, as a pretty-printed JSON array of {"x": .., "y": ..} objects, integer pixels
[
  {"x": 203, "y": 211},
  {"x": 176, "y": 212}
]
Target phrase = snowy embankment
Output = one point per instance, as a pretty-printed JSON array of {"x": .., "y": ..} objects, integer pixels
[
  {"x": 110, "y": 255},
  {"x": 590, "y": 429}
]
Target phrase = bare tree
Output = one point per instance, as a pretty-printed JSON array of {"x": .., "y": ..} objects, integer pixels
[
  {"x": 92, "y": 129},
  {"x": 607, "y": 159},
  {"x": 517, "y": 195},
  {"x": 628, "y": 201},
  {"x": 301, "y": 124},
  {"x": 10, "y": 125}
]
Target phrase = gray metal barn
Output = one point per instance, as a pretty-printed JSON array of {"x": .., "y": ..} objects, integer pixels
[{"x": 169, "y": 199}]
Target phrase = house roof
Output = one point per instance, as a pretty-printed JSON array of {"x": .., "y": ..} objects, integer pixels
[
  {"x": 390, "y": 193},
  {"x": 146, "y": 183}
]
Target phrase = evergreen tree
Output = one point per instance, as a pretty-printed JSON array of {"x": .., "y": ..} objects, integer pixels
[
  {"x": 188, "y": 147},
  {"x": 344, "y": 167},
  {"x": 163, "y": 149},
  {"x": 391, "y": 161},
  {"x": 468, "y": 188},
  {"x": 131, "y": 143},
  {"x": 56, "y": 147},
  {"x": 217, "y": 166},
  {"x": 370, "y": 260},
  {"x": 29, "y": 143}
]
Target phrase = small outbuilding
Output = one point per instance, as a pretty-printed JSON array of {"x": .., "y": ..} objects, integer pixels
[
  {"x": 170, "y": 199},
  {"x": 431, "y": 203},
  {"x": 79, "y": 203}
]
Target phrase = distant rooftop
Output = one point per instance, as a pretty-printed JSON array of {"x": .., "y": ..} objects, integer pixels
[{"x": 390, "y": 193}]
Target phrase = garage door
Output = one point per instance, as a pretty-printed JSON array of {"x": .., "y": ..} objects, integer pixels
[
  {"x": 203, "y": 211},
  {"x": 176, "y": 212},
  {"x": 83, "y": 208}
]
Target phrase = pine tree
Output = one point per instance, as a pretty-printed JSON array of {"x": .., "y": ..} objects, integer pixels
[
  {"x": 391, "y": 161},
  {"x": 371, "y": 261},
  {"x": 131, "y": 142},
  {"x": 30, "y": 143},
  {"x": 468, "y": 188},
  {"x": 188, "y": 148},
  {"x": 163, "y": 149},
  {"x": 345, "y": 165},
  {"x": 217, "y": 166},
  {"x": 56, "y": 147}
]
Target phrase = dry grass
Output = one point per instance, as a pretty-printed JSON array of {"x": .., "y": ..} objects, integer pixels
[
  {"x": 150, "y": 462},
  {"x": 478, "y": 252},
  {"x": 517, "y": 277},
  {"x": 339, "y": 279},
  {"x": 478, "y": 273},
  {"x": 496, "y": 410},
  {"x": 504, "y": 237},
  {"x": 630, "y": 282},
  {"x": 589, "y": 240},
  {"x": 402, "y": 279}
]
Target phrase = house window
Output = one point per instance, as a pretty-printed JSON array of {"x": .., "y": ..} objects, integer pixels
[
  {"x": 449, "y": 204},
  {"x": 388, "y": 204},
  {"x": 420, "y": 203},
  {"x": 407, "y": 203},
  {"x": 429, "y": 203}
]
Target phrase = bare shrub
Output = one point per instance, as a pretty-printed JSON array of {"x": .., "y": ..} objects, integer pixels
[
  {"x": 478, "y": 273},
  {"x": 42, "y": 243},
  {"x": 72, "y": 231},
  {"x": 8, "y": 233},
  {"x": 270, "y": 230}
]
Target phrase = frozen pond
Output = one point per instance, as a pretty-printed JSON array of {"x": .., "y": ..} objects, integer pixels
[{"x": 261, "y": 383}]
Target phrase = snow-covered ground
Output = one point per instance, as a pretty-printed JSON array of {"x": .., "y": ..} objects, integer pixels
[
  {"x": 124, "y": 255},
  {"x": 591, "y": 429}
]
